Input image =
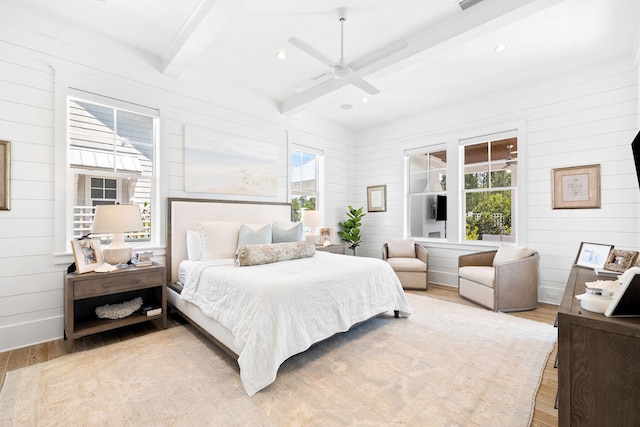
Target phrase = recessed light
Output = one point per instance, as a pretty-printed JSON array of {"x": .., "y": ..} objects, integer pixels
[
  {"x": 281, "y": 54},
  {"x": 365, "y": 99},
  {"x": 346, "y": 106},
  {"x": 500, "y": 47}
]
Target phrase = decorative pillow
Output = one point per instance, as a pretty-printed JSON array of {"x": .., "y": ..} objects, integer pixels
[
  {"x": 194, "y": 248},
  {"x": 404, "y": 248},
  {"x": 266, "y": 254},
  {"x": 510, "y": 253},
  {"x": 219, "y": 239},
  {"x": 287, "y": 232},
  {"x": 254, "y": 234}
]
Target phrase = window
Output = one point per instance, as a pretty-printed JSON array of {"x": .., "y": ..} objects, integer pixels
[
  {"x": 427, "y": 202},
  {"x": 490, "y": 184},
  {"x": 111, "y": 159},
  {"x": 305, "y": 181}
]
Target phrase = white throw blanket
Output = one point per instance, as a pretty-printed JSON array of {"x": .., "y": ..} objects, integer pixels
[{"x": 281, "y": 309}]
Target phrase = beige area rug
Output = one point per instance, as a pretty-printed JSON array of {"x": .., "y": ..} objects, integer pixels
[{"x": 446, "y": 365}]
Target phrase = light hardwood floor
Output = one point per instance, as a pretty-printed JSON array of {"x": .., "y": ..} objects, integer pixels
[{"x": 544, "y": 415}]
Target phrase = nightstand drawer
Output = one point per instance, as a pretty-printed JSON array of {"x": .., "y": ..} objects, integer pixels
[{"x": 116, "y": 282}]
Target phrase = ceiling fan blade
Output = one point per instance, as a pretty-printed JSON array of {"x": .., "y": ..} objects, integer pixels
[
  {"x": 377, "y": 55},
  {"x": 307, "y": 48},
  {"x": 314, "y": 81},
  {"x": 359, "y": 82}
]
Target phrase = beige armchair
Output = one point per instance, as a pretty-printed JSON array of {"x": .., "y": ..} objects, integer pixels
[
  {"x": 410, "y": 261},
  {"x": 502, "y": 280}
]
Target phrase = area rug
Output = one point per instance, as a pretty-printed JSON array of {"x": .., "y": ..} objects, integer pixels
[{"x": 446, "y": 365}]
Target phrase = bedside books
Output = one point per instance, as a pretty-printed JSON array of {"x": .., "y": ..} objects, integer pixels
[{"x": 151, "y": 310}]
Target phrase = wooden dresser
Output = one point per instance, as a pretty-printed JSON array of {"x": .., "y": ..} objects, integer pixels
[{"x": 598, "y": 362}]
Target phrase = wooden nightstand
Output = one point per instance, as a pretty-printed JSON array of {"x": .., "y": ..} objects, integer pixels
[
  {"x": 337, "y": 248},
  {"x": 84, "y": 292}
]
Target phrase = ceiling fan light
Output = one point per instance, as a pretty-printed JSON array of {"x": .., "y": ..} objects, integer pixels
[{"x": 341, "y": 73}]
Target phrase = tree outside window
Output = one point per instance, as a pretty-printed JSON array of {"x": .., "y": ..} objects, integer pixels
[{"x": 304, "y": 182}]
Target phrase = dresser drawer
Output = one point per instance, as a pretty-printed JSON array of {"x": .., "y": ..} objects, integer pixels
[{"x": 115, "y": 283}]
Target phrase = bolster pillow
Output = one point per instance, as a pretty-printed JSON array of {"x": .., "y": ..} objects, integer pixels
[{"x": 268, "y": 253}]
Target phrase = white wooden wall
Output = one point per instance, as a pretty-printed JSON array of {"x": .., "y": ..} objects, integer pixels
[
  {"x": 587, "y": 117},
  {"x": 38, "y": 59}
]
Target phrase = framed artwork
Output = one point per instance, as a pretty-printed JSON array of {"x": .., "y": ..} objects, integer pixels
[
  {"x": 593, "y": 255},
  {"x": 325, "y": 236},
  {"x": 576, "y": 187},
  {"x": 87, "y": 254},
  {"x": 377, "y": 198},
  {"x": 620, "y": 260},
  {"x": 5, "y": 175}
]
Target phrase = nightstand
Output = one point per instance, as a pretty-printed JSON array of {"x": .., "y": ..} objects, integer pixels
[
  {"x": 337, "y": 248},
  {"x": 84, "y": 292}
]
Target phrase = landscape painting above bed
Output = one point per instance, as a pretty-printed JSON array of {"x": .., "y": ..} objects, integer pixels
[
  {"x": 218, "y": 162},
  {"x": 263, "y": 314}
]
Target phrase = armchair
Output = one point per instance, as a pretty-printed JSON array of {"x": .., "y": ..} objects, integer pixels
[
  {"x": 502, "y": 280},
  {"x": 410, "y": 261}
]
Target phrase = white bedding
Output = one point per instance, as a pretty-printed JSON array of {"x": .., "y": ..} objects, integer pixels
[{"x": 280, "y": 309}]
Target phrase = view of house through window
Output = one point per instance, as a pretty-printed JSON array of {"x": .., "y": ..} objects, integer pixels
[
  {"x": 305, "y": 172},
  {"x": 427, "y": 202},
  {"x": 111, "y": 157},
  {"x": 490, "y": 184}
]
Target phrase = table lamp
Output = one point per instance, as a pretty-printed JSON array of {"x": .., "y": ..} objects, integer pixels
[
  {"x": 313, "y": 220},
  {"x": 117, "y": 219}
]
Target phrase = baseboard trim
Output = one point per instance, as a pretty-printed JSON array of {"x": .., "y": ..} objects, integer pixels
[{"x": 26, "y": 334}]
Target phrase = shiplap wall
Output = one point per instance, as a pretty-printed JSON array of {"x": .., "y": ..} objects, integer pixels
[
  {"x": 39, "y": 60},
  {"x": 587, "y": 117}
]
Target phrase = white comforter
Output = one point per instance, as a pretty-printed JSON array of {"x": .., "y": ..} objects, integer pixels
[{"x": 281, "y": 309}]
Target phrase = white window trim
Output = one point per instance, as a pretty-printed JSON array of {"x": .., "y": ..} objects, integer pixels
[
  {"x": 455, "y": 176},
  {"x": 66, "y": 79}
]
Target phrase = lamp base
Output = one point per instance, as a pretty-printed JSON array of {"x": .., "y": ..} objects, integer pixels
[{"x": 115, "y": 256}]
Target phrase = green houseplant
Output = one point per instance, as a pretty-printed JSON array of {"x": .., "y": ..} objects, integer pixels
[{"x": 350, "y": 229}]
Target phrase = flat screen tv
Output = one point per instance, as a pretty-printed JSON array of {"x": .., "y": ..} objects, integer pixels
[
  {"x": 441, "y": 208},
  {"x": 635, "y": 147}
]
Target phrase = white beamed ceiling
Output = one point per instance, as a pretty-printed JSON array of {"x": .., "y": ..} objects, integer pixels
[{"x": 450, "y": 55}]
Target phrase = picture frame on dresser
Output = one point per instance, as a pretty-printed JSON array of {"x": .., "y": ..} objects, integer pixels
[
  {"x": 593, "y": 255},
  {"x": 87, "y": 254},
  {"x": 620, "y": 260}
]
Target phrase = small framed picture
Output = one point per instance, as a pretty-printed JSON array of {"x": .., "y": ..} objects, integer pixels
[
  {"x": 620, "y": 260},
  {"x": 87, "y": 254},
  {"x": 576, "y": 187},
  {"x": 377, "y": 198},
  {"x": 593, "y": 255},
  {"x": 325, "y": 236}
]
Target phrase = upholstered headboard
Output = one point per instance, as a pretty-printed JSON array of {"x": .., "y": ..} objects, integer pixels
[{"x": 183, "y": 214}]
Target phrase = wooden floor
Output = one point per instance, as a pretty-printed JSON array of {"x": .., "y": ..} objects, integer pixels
[{"x": 544, "y": 415}]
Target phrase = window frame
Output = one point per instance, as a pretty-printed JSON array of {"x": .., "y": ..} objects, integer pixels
[
  {"x": 455, "y": 232},
  {"x": 319, "y": 181}
]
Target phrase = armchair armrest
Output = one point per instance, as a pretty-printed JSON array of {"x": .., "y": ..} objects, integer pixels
[
  {"x": 422, "y": 254},
  {"x": 385, "y": 252},
  {"x": 478, "y": 258}
]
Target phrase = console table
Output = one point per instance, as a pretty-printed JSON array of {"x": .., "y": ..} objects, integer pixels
[{"x": 598, "y": 362}]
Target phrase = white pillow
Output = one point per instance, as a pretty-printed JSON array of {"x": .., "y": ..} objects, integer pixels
[
  {"x": 254, "y": 234},
  {"x": 285, "y": 231},
  {"x": 404, "y": 248},
  {"x": 219, "y": 239},
  {"x": 194, "y": 248},
  {"x": 510, "y": 253}
]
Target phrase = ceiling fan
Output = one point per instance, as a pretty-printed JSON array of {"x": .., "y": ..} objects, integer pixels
[
  {"x": 342, "y": 70},
  {"x": 510, "y": 160}
]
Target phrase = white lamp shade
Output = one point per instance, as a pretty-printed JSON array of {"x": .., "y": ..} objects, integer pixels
[
  {"x": 116, "y": 219},
  {"x": 312, "y": 218}
]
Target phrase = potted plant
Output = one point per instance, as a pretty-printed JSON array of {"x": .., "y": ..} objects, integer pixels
[{"x": 350, "y": 229}]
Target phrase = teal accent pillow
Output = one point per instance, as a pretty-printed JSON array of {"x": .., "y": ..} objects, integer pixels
[
  {"x": 254, "y": 236},
  {"x": 284, "y": 235}
]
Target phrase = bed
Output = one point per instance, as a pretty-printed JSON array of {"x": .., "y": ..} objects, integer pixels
[{"x": 264, "y": 303}]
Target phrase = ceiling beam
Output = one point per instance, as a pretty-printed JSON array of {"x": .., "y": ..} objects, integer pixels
[
  {"x": 481, "y": 19},
  {"x": 206, "y": 22}
]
